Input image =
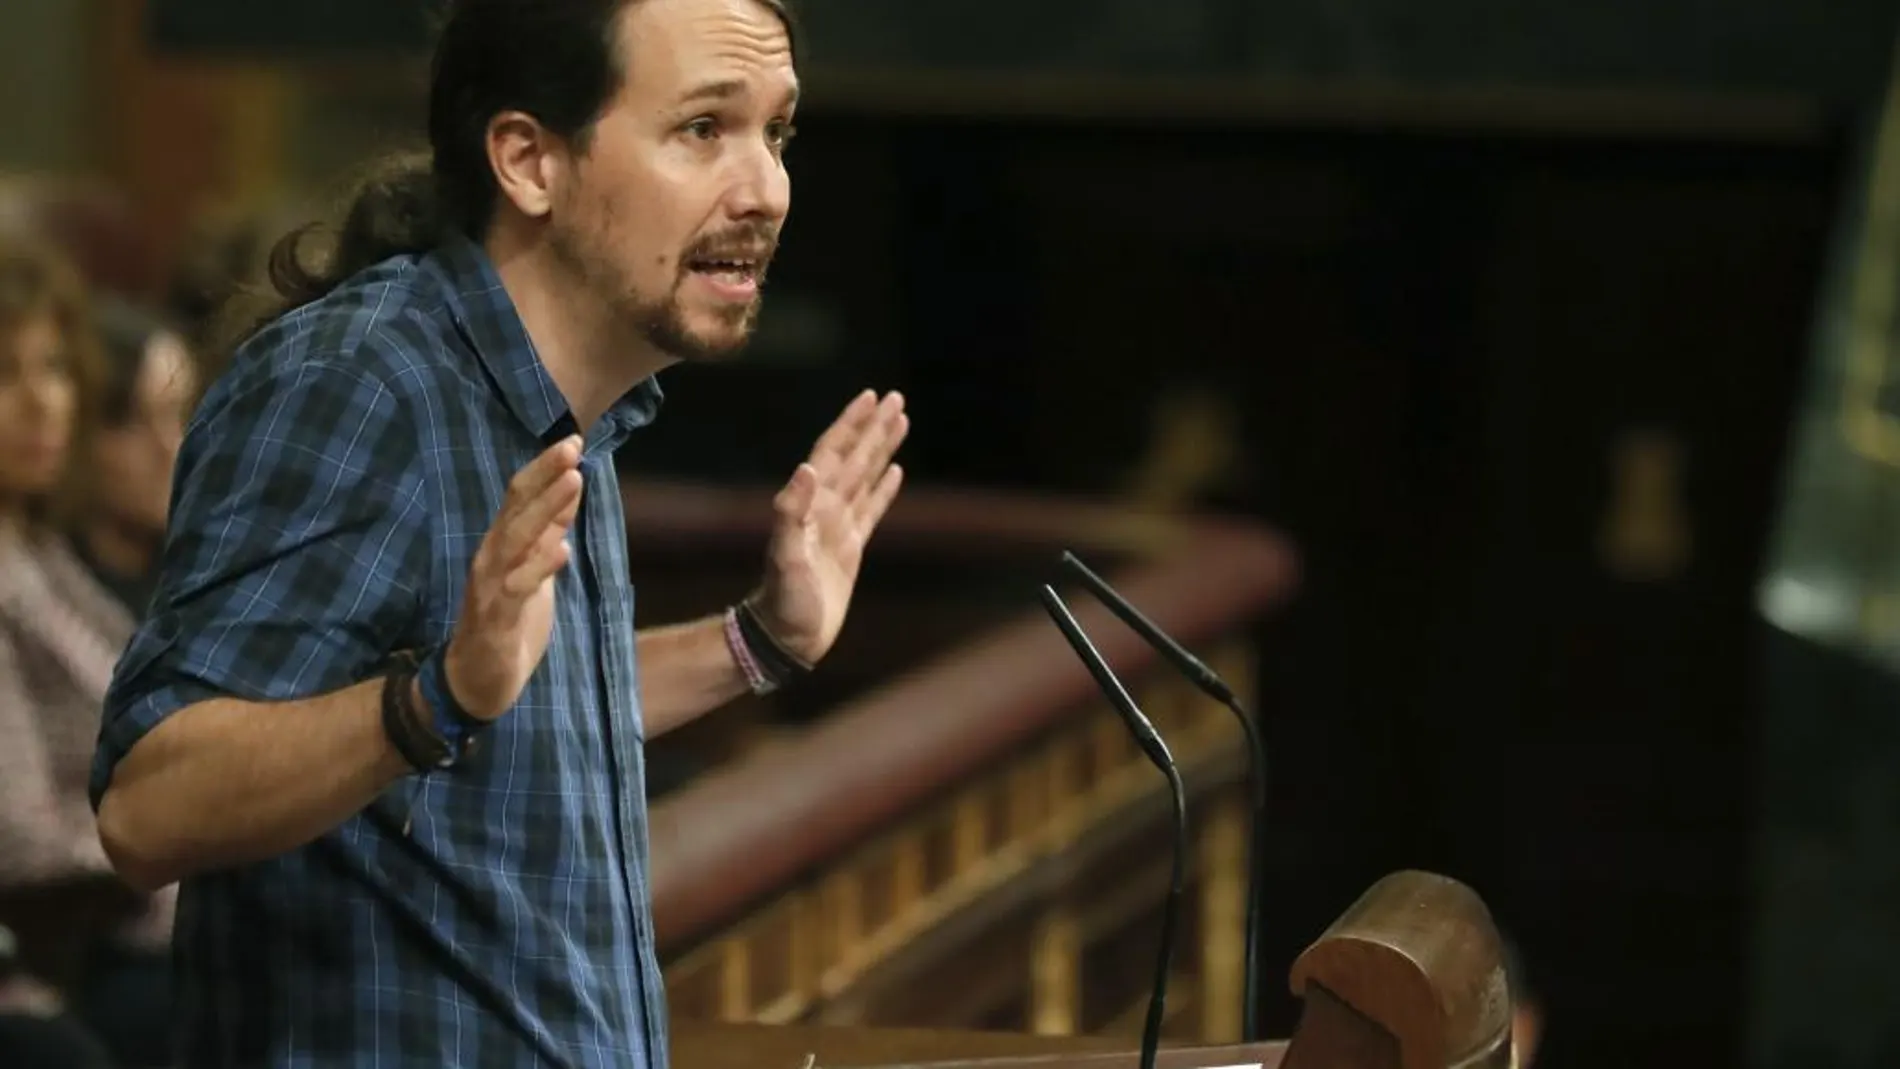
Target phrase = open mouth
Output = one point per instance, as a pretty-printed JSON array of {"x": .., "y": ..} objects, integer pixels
[{"x": 741, "y": 271}]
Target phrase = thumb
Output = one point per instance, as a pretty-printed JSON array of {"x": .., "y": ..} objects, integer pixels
[{"x": 795, "y": 502}]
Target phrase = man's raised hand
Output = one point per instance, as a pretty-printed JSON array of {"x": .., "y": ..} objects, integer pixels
[
  {"x": 825, "y": 516},
  {"x": 508, "y": 606}
]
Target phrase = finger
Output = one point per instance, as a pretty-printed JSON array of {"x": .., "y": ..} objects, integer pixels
[
  {"x": 547, "y": 556},
  {"x": 556, "y": 506},
  {"x": 872, "y": 507},
  {"x": 874, "y": 450},
  {"x": 794, "y": 503},
  {"x": 839, "y": 438},
  {"x": 527, "y": 484}
]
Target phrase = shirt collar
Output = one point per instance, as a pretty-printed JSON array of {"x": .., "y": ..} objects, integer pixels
[{"x": 485, "y": 316}]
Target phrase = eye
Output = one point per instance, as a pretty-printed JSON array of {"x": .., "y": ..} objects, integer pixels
[
  {"x": 705, "y": 128},
  {"x": 780, "y": 133},
  {"x": 56, "y": 364}
]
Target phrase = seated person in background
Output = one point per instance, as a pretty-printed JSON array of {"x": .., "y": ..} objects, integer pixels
[
  {"x": 225, "y": 251},
  {"x": 60, "y": 635},
  {"x": 121, "y": 494},
  {"x": 34, "y": 1032}
]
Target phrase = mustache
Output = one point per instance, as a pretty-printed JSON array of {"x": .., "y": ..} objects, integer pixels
[{"x": 753, "y": 241}]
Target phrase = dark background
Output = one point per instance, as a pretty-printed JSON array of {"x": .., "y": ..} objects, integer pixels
[{"x": 1837, "y": 49}]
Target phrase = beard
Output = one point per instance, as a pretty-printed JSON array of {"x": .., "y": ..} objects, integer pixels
[{"x": 661, "y": 320}]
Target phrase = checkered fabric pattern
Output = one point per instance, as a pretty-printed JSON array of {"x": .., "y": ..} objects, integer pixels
[{"x": 331, "y": 492}]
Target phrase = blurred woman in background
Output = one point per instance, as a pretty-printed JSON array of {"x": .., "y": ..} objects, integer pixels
[
  {"x": 50, "y": 858},
  {"x": 114, "y": 507},
  {"x": 86, "y": 943},
  {"x": 120, "y": 493}
]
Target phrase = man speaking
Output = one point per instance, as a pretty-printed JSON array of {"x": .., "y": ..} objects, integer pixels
[{"x": 386, "y": 720}]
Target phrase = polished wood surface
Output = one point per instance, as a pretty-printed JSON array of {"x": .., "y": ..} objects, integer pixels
[
  {"x": 1333, "y": 1035},
  {"x": 1419, "y": 954},
  {"x": 1410, "y": 977},
  {"x": 701, "y": 1045},
  {"x": 706, "y": 1045},
  {"x": 1252, "y": 1056}
]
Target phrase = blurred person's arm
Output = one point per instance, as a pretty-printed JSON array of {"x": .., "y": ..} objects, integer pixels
[
  {"x": 39, "y": 841},
  {"x": 57, "y": 890}
]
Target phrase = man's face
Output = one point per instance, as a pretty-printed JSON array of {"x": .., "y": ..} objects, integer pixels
[{"x": 674, "y": 209}]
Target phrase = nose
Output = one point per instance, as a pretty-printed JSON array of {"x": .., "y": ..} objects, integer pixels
[
  {"x": 42, "y": 394},
  {"x": 761, "y": 189}
]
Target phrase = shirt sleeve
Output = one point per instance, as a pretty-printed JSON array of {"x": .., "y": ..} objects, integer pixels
[{"x": 296, "y": 554}]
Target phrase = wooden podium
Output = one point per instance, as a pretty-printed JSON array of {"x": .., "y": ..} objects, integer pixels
[{"x": 1411, "y": 977}]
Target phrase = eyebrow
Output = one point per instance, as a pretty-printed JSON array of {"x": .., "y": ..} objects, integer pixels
[{"x": 726, "y": 90}]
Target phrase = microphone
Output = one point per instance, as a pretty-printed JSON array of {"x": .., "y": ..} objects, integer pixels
[
  {"x": 1150, "y": 742},
  {"x": 1205, "y": 678}
]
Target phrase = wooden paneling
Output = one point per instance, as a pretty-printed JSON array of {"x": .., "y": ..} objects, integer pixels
[
  {"x": 179, "y": 136},
  {"x": 1059, "y": 837}
]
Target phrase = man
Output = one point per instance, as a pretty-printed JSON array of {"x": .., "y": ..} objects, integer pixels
[{"x": 441, "y": 859}]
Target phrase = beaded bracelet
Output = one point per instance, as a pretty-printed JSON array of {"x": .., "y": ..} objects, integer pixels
[
  {"x": 766, "y": 664},
  {"x": 755, "y": 676}
]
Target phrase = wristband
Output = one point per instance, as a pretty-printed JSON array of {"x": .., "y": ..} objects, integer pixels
[
  {"x": 452, "y": 722},
  {"x": 423, "y": 749},
  {"x": 777, "y": 663},
  {"x": 749, "y": 666}
]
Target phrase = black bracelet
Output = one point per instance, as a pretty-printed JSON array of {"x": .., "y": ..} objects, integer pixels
[
  {"x": 776, "y": 661},
  {"x": 445, "y": 713},
  {"x": 423, "y": 749}
]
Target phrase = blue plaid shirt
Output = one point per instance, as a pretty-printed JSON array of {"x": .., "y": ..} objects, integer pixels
[{"x": 332, "y": 489}]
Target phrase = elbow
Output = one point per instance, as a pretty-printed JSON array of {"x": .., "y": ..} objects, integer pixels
[{"x": 136, "y": 853}]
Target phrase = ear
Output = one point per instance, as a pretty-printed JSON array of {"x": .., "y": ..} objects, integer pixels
[{"x": 525, "y": 158}]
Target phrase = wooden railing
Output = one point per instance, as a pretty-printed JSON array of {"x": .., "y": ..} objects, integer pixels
[{"x": 980, "y": 813}]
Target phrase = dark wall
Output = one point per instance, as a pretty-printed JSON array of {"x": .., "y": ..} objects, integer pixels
[{"x": 1836, "y": 49}]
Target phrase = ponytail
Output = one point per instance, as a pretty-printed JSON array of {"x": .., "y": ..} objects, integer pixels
[{"x": 395, "y": 209}]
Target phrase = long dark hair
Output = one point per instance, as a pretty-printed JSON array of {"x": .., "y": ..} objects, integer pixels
[
  {"x": 125, "y": 334},
  {"x": 38, "y": 281},
  {"x": 556, "y": 60}
]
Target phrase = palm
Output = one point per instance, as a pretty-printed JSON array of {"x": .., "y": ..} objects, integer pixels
[
  {"x": 825, "y": 516},
  {"x": 537, "y": 629}
]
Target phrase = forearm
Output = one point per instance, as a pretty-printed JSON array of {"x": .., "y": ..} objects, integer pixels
[
  {"x": 686, "y": 671},
  {"x": 228, "y": 782}
]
